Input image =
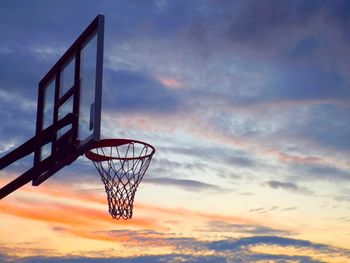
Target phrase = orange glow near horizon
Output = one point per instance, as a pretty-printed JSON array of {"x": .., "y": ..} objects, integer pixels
[{"x": 73, "y": 216}]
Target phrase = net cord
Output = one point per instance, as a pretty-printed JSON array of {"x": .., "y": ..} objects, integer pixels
[{"x": 121, "y": 175}]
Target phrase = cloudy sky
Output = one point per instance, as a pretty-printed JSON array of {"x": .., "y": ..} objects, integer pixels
[{"x": 247, "y": 104}]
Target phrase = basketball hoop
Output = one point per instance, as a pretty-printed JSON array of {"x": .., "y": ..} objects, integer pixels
[{"x": 122, "y": 164}]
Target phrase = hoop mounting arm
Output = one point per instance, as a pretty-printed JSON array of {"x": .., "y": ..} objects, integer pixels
[{"x": 29, "y": 147}]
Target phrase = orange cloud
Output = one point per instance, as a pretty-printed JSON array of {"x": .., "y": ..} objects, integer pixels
[
  {"x": 170, "y": 82},
  {"x": 68, "y": 214},
  {"x": 294, "y": 158},
  {"x": 186, "y": 214},
  {"x": 55, "y": 213},
  {"x": 73, "y": 208}
]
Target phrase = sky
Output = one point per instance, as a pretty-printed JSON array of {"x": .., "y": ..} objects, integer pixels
[{"x": 247, "y": 104}]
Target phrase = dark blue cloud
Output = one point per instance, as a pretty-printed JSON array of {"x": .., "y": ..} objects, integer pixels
[
  {"x": 136, "y": 91},
  {"x": 241, "y": 161},
  {"x": 309, "y": 82},
  {"x": 18, "y": 121},
  {"x": 321, "y": 172},
  {"x": 285, "y": 185},
  {"x": 20, "y": 73},
  {"x": 292, "y": 83},
  {"x": 283, "y": 258},
  {"x": 294, "y": 38},
  {"x": 42, "y": 22},
  {"x": 328, "y": 125},
  {"x": 259, "y": 20},
  {"x": 266, "y": 240},
  {"x": 337, "y": 13},
  {"x": 238, "y": 250},
  {"x": 304, "y": 47},
  {"x": 289, "y": 186},
  {"x": 263, "y": 19},
  {"x": 220, "y": 226},
  {"x": 6, "y": 259}
]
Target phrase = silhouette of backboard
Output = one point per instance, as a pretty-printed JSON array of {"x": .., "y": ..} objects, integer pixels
[
  {"x": 68, "y": 110},
  {"x": 73, "y": 85}
]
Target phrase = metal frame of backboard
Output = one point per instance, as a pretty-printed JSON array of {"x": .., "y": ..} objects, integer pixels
[
  {"x": 65, "y": 146},
  {"x": 74, "y": 53}
]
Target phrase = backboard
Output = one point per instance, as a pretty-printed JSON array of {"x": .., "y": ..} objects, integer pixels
[
  {"x": 72, "y": 87},
  {"x": 68, "y": 113}
]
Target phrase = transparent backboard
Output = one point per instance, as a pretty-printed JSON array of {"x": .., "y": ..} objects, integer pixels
[{"x": 73, "y": 87}]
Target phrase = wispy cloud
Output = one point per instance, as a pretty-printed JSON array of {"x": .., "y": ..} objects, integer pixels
[
  {"x": 323, "y": 172},
  {"x": 289, "y": 186},
  {"x": 248, "y": 229},
  {"x": 185, "y": 184},
  {"x": 263, "y": 210},
  {"x": 222, "y": 155}
]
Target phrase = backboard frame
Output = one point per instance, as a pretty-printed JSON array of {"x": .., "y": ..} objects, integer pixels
[
  {"x": 65, "y": 146},
  {"x": 70, "y": 137}
]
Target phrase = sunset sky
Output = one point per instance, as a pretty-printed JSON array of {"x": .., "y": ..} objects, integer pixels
[{"x": 247, "y": 104}]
